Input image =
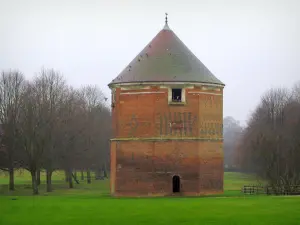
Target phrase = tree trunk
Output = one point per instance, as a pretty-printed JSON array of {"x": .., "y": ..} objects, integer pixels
[
  {"x": 98, "y": 174},
  {"x": 66, "y": 176},
  {"x": 88, "y": 174},
  {"x": 35, "y": 189},
  {"x": 82, "y": 175},
  {"x": 77, "y": 182},
  {"x": 48, "y": 180},
  {"x": 38, "y": 177},
  {"x": 104, "y": 171},
  {"x": 70, "y": 179},
  {"x": 11, "y": 179}
]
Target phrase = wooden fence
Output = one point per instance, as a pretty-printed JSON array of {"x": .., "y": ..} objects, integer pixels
[
  {"x": 271, "y": 190},
  {"x": 253, "y": 189}
]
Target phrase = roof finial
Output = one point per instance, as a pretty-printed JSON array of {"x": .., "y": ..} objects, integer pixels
[
  {"x": 166, "y": 18},
  {"x": 166, "y": 27}
]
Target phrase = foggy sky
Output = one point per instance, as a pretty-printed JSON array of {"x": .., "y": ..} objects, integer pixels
[{"x": 251, "y": 46}]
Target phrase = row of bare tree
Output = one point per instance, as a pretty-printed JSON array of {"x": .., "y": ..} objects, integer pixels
[
  {"x": 48, "y": 125},
  {"x": 270, "y": 144}
]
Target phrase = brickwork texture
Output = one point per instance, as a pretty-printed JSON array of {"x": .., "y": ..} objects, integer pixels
[{"x": 154, "y": 141}]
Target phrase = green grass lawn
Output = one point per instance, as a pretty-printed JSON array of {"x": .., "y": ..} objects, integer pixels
[{"x": 91, "y": 204}]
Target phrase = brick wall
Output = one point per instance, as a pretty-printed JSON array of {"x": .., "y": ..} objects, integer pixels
[{"x": 155, "y": 140}]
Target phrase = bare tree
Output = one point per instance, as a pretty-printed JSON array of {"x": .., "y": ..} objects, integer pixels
[
  {"x": 47, "y": 125},
  {"x": 31, "y": 132},
  {"x": 271, "y": 141},
  {"x": 70, "y": 131},
  {"x": 296, "y": 92},
  {"x": 11, "y": 88},
  {"x": 50, "y": 86},
  {"x": 95, "y": 135}
]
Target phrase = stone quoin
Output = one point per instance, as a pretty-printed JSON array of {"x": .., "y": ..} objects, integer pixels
[{"x": 167, "y": 111}]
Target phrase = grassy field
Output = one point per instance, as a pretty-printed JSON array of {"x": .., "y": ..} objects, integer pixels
[{"x": 91, "y": 204}]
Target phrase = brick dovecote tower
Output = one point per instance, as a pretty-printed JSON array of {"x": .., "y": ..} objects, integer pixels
[{"x": 167, "y": 110}]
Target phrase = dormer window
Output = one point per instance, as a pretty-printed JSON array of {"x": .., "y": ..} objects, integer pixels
[{"x": 177, "y": 95}]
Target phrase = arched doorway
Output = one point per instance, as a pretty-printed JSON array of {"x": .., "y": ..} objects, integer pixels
[{"x": 176, "y": 184}]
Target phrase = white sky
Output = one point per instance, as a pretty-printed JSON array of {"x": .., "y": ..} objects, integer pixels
[{"x": 250, "y": 45}]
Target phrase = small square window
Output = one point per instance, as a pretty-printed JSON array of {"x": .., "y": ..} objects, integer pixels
[{"x": 177, "y": 95}]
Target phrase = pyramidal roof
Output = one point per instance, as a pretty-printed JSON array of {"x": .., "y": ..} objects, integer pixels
[{"x": 166, "y": 59}]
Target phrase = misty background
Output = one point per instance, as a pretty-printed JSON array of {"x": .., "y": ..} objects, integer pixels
[{"x": 251, "y": 46}]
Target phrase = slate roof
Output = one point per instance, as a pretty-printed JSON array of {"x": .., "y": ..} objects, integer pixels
[{"x": 166, "y": 59}]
